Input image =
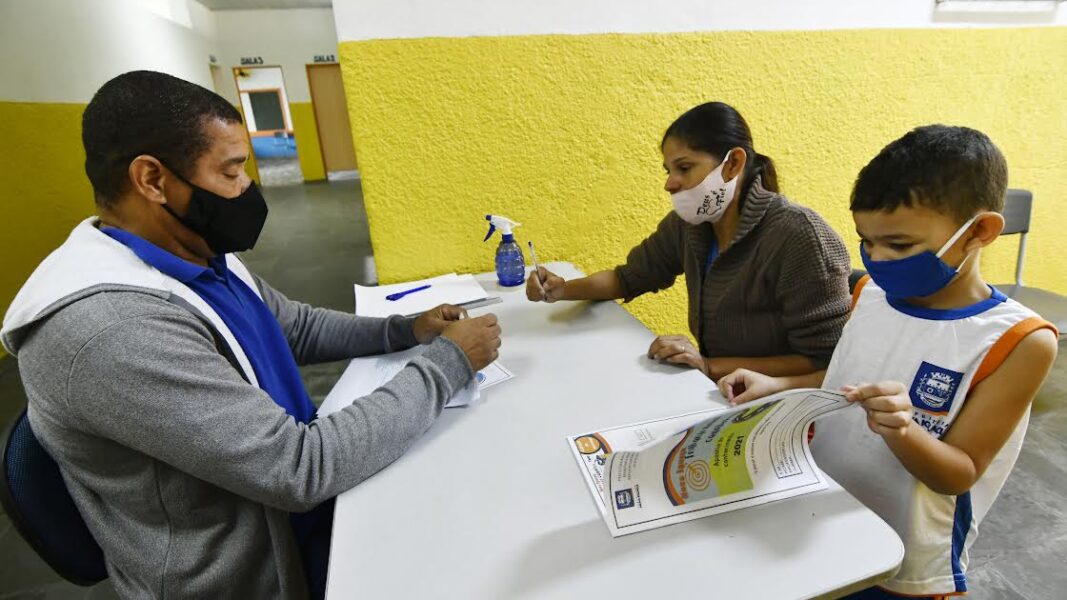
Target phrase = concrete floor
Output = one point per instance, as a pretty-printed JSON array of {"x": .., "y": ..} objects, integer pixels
[
  {"x": 279, "y": 171},
  {"x": 316, "y": 245}
]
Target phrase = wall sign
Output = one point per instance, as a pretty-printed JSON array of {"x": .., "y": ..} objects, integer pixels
[
  {"x": 251, "y": 60},
  {"x": 325, "y": 58}
]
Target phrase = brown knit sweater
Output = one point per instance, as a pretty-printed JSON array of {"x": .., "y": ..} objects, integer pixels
[{"x": 780, "y": 288}]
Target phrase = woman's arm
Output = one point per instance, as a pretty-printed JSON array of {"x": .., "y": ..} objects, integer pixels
[
  {"x": 548, "y": 287},
  {"x": 812, "y": 288},
  {"x": 650, "y": 266},
  {"x": 774, "y": 366},
  {"x": 679, "y": 350}
]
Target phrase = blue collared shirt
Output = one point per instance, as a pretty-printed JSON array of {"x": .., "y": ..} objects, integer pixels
[{"x": 244, "y": 313}]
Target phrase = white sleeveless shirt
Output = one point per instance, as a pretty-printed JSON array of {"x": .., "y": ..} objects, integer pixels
[{"x": 940, "y": 355}]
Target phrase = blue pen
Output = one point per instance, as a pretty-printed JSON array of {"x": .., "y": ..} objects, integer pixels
[{"x": 399, "y": 295}]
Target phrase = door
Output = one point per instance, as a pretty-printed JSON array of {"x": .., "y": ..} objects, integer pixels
[{"x": 331, "y": 117}]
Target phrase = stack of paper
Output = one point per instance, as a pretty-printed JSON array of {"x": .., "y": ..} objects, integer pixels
[
  {"x": 445, "y": 289},
  {"x": 364, "y": 375}
]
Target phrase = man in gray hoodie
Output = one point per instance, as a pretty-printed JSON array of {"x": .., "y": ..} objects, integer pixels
[{"x": 162, "y": 375}]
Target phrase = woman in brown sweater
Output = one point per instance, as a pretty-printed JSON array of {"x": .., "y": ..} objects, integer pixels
[{"x": 767, "y": 279}]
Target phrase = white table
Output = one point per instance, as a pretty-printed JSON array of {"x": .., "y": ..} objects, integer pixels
[{"x": 490, "y": 503}]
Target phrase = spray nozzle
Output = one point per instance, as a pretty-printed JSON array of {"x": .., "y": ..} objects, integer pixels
[{"x": 505, "y": 224}]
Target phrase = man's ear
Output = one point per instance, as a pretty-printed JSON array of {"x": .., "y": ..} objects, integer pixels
[
  {"x": 148, "y": 178},
  {"x": 986, "y": 228}
]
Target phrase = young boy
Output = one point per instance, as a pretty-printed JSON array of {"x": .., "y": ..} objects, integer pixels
[{"x": 944, "y": 365}]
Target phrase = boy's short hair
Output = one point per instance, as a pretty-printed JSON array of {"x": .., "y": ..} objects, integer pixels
[{"x": 956, "y": 171}]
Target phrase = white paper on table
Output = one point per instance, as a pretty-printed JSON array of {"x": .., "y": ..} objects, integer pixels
[
  {"x": 364, "y": 375},
  {"x": 493, "y": 374},
  {"x": 444, "y": 289}
]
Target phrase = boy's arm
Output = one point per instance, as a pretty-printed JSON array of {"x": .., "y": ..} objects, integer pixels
[
  {"x": 744, "y": 385},
  {"x": 954, "y": 463}
]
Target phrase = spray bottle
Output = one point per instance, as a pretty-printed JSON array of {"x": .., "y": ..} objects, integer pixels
[{"x": 510, "y": 266}]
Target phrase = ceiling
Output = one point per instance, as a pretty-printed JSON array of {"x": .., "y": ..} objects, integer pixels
[{"x": 259, "y": 4}]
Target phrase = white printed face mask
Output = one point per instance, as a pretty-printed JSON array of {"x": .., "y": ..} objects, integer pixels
[{"x": 706, "y": 202}]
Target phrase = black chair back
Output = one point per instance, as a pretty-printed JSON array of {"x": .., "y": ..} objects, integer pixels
[{"x": 36, "y": 499}]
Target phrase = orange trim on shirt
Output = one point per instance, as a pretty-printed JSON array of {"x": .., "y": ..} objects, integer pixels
[
  {"x": 1003, "y": 347},
  {"x": 856, "y": 291}
]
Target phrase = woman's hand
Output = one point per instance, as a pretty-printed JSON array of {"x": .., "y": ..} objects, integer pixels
[
  {"x": 431, "y": 323},
  {"x": 745, "y": 386},
  {"x": 544, "y": 286},
  {"x": 677, "y": 350},
  {"x": 888, "y": 406}
]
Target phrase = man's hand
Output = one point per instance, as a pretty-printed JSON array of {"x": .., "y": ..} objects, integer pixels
[
  {"x": 745, "y": 386},
  {"x": 478, "y": 338},
  {"x": 678, "y": 350},
  {"x": 888, "y": 407},
  {"x": 549, "y": 291},
  {"x": 431, "y": 323}
]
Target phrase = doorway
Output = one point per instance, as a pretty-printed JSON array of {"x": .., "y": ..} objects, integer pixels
[
  {"x": 331, "y": 119},
  {"x": 270, "y": 124}
]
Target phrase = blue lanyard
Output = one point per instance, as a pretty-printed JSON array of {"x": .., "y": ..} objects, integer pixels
[{"x": 713, "y": 253}]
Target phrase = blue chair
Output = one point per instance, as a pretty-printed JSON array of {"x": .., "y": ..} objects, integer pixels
[{"x": 37, "y": 501}]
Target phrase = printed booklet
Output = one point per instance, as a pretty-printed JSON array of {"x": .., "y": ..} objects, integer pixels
[{"x": 681, "y": 468}]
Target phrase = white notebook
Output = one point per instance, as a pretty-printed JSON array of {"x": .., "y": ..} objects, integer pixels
[{"x": 444, "y": 289}]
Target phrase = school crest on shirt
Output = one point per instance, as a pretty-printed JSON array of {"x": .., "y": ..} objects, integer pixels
[{"x": 934, "y": 389}]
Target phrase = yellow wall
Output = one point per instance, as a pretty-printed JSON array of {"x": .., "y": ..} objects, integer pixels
[
  {"x": 307, "y": 141},
  {"x": 561, "y": 133},
  {"x": 44, "y": 188}
]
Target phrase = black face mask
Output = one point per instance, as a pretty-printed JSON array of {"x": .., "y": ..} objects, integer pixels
[{"x": 226, "y": 224}]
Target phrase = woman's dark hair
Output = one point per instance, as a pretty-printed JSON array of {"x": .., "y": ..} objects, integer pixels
[{"x": 716, "y": 128}]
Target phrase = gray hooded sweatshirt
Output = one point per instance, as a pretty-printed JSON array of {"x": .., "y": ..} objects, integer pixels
[{"x": 184, "y": 471}]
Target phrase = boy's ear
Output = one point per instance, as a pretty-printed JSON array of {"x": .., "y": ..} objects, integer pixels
[{"x": 986, "y": 228}]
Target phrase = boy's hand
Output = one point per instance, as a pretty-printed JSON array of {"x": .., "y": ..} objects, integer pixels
[
  {"x": 887, "y": 404},
  {"x": 745, "y": 386},
  {"x": 431, "y": 323}
]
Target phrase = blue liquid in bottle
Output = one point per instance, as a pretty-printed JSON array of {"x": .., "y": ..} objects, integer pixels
[{"x": 510, "y": 265}]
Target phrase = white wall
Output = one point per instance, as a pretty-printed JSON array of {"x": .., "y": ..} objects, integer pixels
[
  {"x": 384, "y": 19},
  {"x": 286, "y": 38},
  {"x": 260, "y": 79},
  {"x": 64, "y": 50}
]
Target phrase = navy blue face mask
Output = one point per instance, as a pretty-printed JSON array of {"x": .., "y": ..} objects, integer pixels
[
  {"x": 915, "y": 276},
  {"x": 226, "y": 224}
]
